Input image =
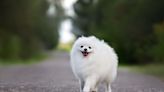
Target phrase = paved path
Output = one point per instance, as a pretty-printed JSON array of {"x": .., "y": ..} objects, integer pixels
[{"x": 54, "y": 75}]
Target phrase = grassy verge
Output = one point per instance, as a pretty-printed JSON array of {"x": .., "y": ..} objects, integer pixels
[
  {"x": 151, "y": 69},
  {"x": 65, "y": 46},
  {"x": 32, "y": 60}
]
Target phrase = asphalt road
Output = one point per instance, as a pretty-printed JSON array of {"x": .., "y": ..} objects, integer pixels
[{"x": 54, "y": 75}]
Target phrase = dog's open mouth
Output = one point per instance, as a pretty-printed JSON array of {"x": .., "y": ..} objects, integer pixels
[{"x": 85, "y": 53}]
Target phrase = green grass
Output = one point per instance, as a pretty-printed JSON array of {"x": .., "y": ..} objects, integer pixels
[
  {"x": 65, "y": 46},
  {"x": 32, "y": 60},
  {"x": 151, "y": 69}
]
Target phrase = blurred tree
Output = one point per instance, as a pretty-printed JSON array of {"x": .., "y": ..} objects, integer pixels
[
  {"x": 25, "y": 28},
  {"x": 125, "y": 24},
  {"x": 158, "y": 49}
]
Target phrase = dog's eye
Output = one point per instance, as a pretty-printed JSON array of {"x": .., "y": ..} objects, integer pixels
[
  {"x": 89, "y": 47},
  {"x": 81, "y": 46}
]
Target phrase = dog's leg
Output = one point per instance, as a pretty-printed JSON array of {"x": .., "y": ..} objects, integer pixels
[
  {"x": 90, "y": 85},
  {"x": 94, "y": 90},
  {"x": 81, "y": 85},
  {"x": 108, "y": 88}
]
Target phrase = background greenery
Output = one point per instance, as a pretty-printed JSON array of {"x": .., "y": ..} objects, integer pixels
[
  {"x": 25, "y": 29},
  {"x": 134, "y": 28}
]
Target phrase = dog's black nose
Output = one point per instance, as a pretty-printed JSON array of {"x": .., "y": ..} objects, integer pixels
[{"x": 85, "y": 49}]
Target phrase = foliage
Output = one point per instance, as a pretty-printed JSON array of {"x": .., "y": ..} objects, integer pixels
[
  {"x": 157, "y": 51},
  {"x": 151, "y": 69},
  {"x": 25, "y": 29},
  {"x": 127, "y": 25}
]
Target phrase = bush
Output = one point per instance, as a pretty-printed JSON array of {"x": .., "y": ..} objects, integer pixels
[
  {"x": 124, "y": 24},
  {"x": 158, "y": 49},
  {"x": 25, "y": 29}
]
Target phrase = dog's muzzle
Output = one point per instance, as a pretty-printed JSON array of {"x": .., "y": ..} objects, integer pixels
[{"x": 85, "y": 53}]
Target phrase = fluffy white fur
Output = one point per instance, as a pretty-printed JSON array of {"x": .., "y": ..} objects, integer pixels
[{"x": 100, "y": 64}]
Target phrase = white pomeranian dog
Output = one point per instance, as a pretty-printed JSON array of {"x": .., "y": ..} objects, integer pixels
[{"x": 93, "y": 61}]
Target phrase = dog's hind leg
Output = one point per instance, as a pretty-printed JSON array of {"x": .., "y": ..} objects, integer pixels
[
  {"x": 81, "y": 85},
  {"x": 108, "y": 89}
]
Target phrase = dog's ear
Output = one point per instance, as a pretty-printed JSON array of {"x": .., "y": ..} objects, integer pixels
[
  {"x": 92, "y": 37},
  {"x": 102, "y": 41},
  {"x": 81, "y": 37}
]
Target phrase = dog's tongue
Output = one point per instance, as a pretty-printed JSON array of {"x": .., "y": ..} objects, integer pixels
[{"x": 85, "y": 54}]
